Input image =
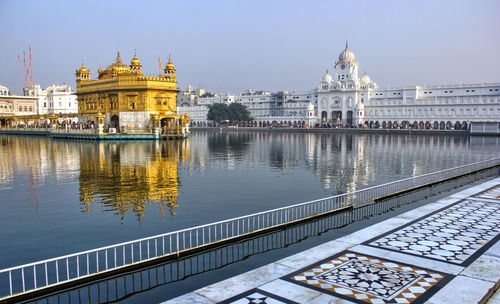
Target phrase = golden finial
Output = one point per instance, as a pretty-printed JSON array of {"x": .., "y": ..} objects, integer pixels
[{"x": 118, "y": 59}]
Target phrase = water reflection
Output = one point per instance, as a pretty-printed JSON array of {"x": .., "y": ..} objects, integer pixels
[
  {"x": 126, "y": 178},
  {"x": 342, "y": 162}
]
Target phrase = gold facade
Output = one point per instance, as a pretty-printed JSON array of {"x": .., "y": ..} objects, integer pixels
[{"x": 128, "y": 100}]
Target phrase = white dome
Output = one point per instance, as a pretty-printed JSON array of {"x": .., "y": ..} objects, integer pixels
[
  {"x": 347, "y": 55},
  {"x": 310, "y": 107},
  {"x": 365, "y": 79},
  {"x": 327, "y": 78}
]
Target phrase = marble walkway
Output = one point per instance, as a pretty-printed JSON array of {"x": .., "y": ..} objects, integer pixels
[{"x": 443, "y": 252}]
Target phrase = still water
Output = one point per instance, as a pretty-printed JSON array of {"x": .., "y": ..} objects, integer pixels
[{"x": 59, "y": 196}]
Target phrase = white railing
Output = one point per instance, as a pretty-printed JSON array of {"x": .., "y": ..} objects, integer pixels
[
  {"x": 73, "y": 131},
  {"x": 72, "y": 267}
]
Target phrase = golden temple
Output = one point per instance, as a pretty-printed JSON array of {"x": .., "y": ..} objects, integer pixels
[{"x": 125, "y": 100}]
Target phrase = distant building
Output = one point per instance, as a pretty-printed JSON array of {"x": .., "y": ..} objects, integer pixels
[
  {"x": 128, "y": 100},
  {"x": 347, "y": 99},
  {"x": 56, "y": 99},
  {"x": 17, "y": 110}
]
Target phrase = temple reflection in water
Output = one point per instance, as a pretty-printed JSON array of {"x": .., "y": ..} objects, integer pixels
[{"x": 127, "y": 178}]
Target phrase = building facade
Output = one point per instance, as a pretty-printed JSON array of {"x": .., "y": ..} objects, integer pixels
[
  {"x": 128, "y": 100},
  {"x": 346, "y": 99},
  {"x": 56, "y": 99},
  {"x": 17, "y": 110},
  {"x": 343, "y": 98}
]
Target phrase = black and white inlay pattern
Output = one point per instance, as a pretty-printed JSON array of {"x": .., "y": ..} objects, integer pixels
[
  {"x": 371, "y": 278},
  {"x": 257, "y": 296},
  {"x": 452, "y": 235}
]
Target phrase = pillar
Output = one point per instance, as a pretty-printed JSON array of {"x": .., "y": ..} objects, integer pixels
[{"x": 100, "y": 123}]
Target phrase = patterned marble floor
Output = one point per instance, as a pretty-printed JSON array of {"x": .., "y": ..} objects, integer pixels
[
  {"x": 256, "y": 296},
  {"x": 436, "y": 254},
  {"x": 456, "y": 234},
  {"x": 365, "y": 279},
  {"x": 492, "y": 193}
]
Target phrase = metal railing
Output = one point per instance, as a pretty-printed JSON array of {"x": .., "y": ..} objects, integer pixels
[{"x": 51, "y": 272}]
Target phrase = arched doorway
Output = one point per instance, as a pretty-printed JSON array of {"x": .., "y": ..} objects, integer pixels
[
  {"x": 115, "y": 122},
  {"x": 427, "y": 125},
  {"x": 384, "y": 125},
  {"x": 163, "y": 122},
  {"x": 324, "y": 116},
  {"x": 436, "y": 125},
  {"x": 448, "y": 125},
  {"x": 337, "y": 116},
  {"x": 389, "y": 125},
  {"x": 464, "y": 125},
  {"x": 457, "y": 126},
  {"x": 442, "y": 125},
  {"x": 349, "y": 118},
  {"x": 415, "y": 125}
]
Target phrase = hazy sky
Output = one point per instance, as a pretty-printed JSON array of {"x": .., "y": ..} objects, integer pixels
[{"x": 228, "y": 46}]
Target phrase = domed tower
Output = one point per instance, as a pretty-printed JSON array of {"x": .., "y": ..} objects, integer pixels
[
  {"x": 135, "y": 64},
  {"x": 82, "y": 74},
  {"x": 346, "y": 67},
  {"x": 366, "y": 82},
  {"x": 170, "y": 69}
]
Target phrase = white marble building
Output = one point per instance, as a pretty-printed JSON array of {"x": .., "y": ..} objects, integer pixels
[
  {"x": 56, "y": 99},
  {"x": 346, "y": 99}
]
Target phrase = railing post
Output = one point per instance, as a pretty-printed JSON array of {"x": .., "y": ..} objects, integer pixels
[{"x": 10, "y": 282}]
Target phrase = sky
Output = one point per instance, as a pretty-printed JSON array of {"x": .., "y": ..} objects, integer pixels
[{"x": 230, "y": 46}]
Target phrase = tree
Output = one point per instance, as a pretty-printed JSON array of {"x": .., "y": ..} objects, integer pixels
[
  {"x": 218, "y": 112},
  {"x": 234, "y": 112},
  {"x": 239, "y": 112}
]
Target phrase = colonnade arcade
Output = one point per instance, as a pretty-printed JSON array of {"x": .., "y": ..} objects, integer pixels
[{"x": 38, "y": 121}]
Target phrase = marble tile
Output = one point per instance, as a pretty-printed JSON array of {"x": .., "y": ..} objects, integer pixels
[
  {"x": 410, "y": 259},
  {"x": 258, "y": 296},
  {"x": 328, "y": 299},
  {"x": 291, "y": 291},
  {"x": 370, "y": 232},
  {"x": 313, "y": 255},
  {"x": 447, "y": 201},
  {"x": 492, "y": 193},
  {"x": 456, "y": 235},
  {"x": 243, "y": 282},
  {"x": 462, "y": 290},
  {"x": 421, "y": 211},
  {"x": 493, "y": 250},
  {"x": 189, "y": 298},
  {"x": 485, "y": 268},
  {"x": 495, "y": 298},
  {"x": 366, "y": 279}
]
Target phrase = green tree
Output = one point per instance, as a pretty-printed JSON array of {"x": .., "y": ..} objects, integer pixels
[
  {"x": 218, "y": 112},
  {"x": 234, "y": 112},
  {"x": 239, "y": 112}
]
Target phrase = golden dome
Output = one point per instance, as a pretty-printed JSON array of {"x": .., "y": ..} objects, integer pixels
[
  {"x": 114, "y": 69},
  {"x": 82, "y": 69},
  {"x": 135, "y": 64},
  {"x": 170, "y": 65}
]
